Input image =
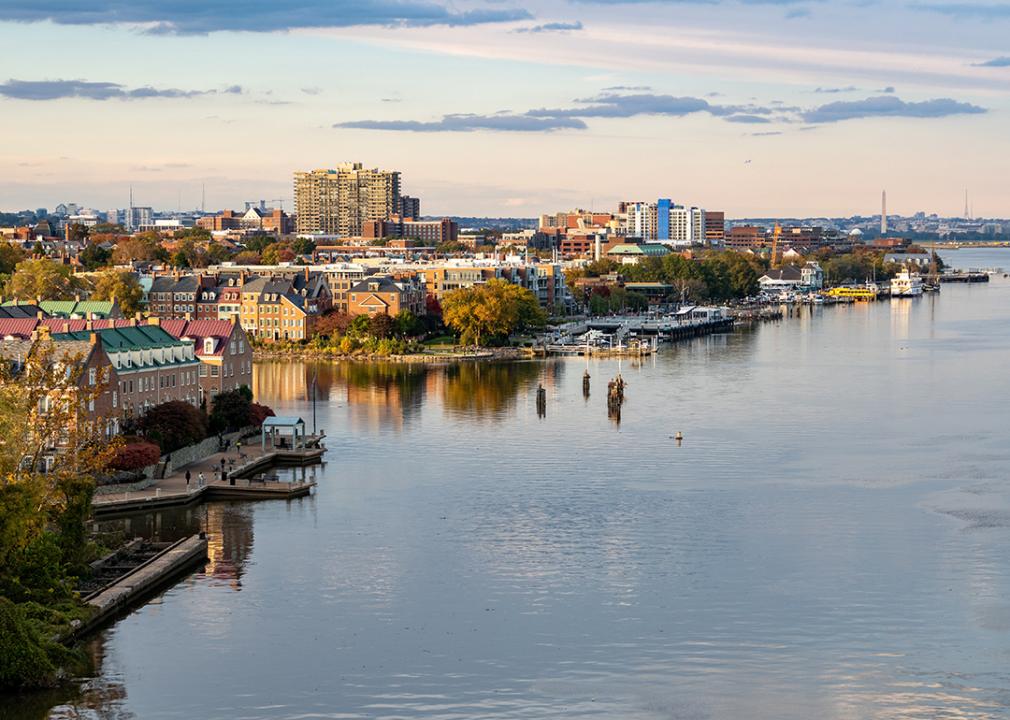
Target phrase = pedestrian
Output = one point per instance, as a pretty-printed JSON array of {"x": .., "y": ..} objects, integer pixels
[
  {"x": 200, "y": 480},
  {"x": 188, "y": 476}
]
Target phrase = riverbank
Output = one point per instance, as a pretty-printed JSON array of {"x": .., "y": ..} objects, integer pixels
[{"x": 310, "y": 353}]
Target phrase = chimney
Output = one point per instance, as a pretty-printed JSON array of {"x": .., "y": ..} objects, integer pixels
[
  {"x": 93, "y": 338},
  {"x": 40, "y": 316},
  {"x": 189, "y": 316},
  {"x": 137, "y": 318},
  {"x": 306, "y": 273},
  {"x": 156, "y": 321},
  {"x": 89, "y": 325}
]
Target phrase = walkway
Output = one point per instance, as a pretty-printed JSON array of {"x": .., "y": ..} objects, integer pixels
[{"x": 173, "y": 489}]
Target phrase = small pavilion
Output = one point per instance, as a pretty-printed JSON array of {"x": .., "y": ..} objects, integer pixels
[{"x": 274, "y": 427}]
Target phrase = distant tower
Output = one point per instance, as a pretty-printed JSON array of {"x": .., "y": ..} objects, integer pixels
[
  {"x": 129, "y": 213},
  {"x": 883, "y": 212},
  {"x": 967, "y": 209}
]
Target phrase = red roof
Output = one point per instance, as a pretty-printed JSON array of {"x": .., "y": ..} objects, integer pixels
[
  {"x": 18, "y": 327},
  {"x": 199, "y": 330}
]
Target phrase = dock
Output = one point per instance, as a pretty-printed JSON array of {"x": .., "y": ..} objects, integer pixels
[
  {"x": 133, "y": 586},
  {"x": 964, "y": 277},
  {"x": 242, "y": 483}
]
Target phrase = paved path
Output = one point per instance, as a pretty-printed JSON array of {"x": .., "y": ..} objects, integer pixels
[{"x": 173, "y": 488}]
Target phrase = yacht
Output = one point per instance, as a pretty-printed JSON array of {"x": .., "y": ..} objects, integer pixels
[{"x": 906, "y": 284}]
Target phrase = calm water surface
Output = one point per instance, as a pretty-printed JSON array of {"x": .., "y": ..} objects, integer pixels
[{"x": 832, "y": 539}]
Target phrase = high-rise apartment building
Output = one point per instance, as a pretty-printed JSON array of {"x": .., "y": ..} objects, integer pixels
[
  {"x": 665, "y": 222},
  {"x": 340, "y": 200},
  {"x": 410, "y": 207}
]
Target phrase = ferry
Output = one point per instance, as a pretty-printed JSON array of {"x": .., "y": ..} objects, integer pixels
[{"x": 906, "y": 284}]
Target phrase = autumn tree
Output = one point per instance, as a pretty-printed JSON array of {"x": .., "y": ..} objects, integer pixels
[
  {"x": 491, "y": 312},
  {"x": 140, "y": 247},
  {"x": 121, "y": 286},
  {"x": 43, "y": 279},
  {"x": 51, "y": 448}
]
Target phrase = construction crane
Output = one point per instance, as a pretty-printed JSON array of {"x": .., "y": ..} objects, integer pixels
[
  {"x": 775, "y": 244},
  {"x": 278, "y": 200}
]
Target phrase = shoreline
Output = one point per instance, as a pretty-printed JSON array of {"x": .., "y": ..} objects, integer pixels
[{"x": 484, "y": 355}]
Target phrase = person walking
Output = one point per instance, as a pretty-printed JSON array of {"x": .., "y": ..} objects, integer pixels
[
  {"x": 200, "y": 480},
  {"x": 188, "y": 476}
]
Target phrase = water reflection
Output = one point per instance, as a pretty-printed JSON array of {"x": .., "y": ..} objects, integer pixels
[{"x": 490, "y": 390}]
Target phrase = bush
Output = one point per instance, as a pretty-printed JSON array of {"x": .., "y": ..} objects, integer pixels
[
  {"x": 174, "y": 425},
  {"x": 135, "y": 455},
  {"x": 23, "y": 660}
]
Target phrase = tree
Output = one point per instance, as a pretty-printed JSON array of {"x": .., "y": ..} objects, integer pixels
[
  {"x": 77, "y": 233},
  {"x": 10, "y": 256},
  {"x": 43, "y": 279},
  {"x": 407, "y": 324},
  {"x": 173, "y": 425},
  {"x": 94, "y": 256},
  {"x": 303, "y": 246},
  {"x": 216, "y": 254},
  {"x": 180, "y": 259},
  {"x": 381, "y": 326},
  {"x": 276, "y": 253},
  {"x": 333, "y": 323},
  {"x": 230, "y": 411},
  {"x": 491, "y": 312},
  {"x": 43, "y": 508},
  {"x": 360, "y": 326},
  {"x": 121, "y": 286},
  {"x": 247, "y": 257},
  {"x": 140, "y": 247}
]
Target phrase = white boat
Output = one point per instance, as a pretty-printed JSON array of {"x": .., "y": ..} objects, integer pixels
[{"x": 906, "y": 284}]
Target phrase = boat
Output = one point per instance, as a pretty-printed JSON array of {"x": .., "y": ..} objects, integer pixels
[{"x": 906, "y": 284}]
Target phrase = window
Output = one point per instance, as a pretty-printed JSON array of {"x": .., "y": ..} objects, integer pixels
[
  {"x": 213, "y": 371},
  {"x": 115, "y": 399}
]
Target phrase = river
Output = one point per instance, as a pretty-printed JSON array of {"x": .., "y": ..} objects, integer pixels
[{"x": 830, "y": 540}]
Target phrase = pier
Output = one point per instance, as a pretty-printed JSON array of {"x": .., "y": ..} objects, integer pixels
[
  {"x": 138, "y": 582},
  {"x": 239, "y": 481}
]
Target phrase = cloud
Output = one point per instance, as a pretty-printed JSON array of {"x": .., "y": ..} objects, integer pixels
[
  {"x": 551, "y": 27},
  {"x": 766, "y": 134},
  {"x": 62, "y": 89},
  {"x": 390, "y": 100},
  {"x": 973, "y": 10},
  {"x": 312, "y": 90},
  {"x": 613, "y": 105},
  {"x": 889, "y": 106},
  {"x": 747, "y": 119},
  {"x": 889, "y": 90},
  {"x": 999, "y": 62},
  {"x": 470, "y": 123},
  {"x": 627, "y": 88},
  {"x": 835, "y": 90},
  {"x": 178, "y": 17}
]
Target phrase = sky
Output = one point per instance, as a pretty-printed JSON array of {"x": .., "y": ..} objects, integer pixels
[{"x": 511, "y": 107}]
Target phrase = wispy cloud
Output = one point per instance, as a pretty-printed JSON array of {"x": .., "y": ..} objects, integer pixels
[
  {"x": 551, "y": 27},
  {"x": 312, "y": 90},
  {"x": 1000, "y": 62},
  {"x": 175, "y": 17},
  {"x": 470, "y": 123},
  {"x": 889, "y": 106},
  {"x": 836, "y": 90},
  {"x": 63, "y": 89}
]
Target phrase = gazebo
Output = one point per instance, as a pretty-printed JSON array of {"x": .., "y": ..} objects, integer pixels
[{"x": 274, "y": 426}]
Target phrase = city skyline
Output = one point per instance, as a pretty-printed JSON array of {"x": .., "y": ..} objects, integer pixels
[{"x": 513, "y": 109}]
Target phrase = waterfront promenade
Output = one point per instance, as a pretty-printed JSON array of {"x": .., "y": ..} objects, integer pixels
[{"x": 244, "y": 480}]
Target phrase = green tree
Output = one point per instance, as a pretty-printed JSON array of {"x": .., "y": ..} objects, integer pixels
[
  {"x": 216, "y": 254},
  {"x": 94, "y": 256},
  {"x": 121, "y": 286},
  {"x": 230, "y": 411},
  {"x": 173, "y": 425},
  {"x": 10, "y": 256},
  {"x": 43, "y": 279}
]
